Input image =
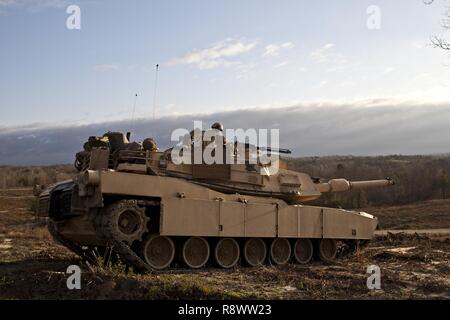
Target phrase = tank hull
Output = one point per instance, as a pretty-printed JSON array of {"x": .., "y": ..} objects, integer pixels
[
  {"x": 176, "y": 209},
  {"x": 188, "y": 209}
]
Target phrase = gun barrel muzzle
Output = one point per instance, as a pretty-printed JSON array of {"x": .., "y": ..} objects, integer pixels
[
  {"x": 341, "y": 185},
  {"x": 371, "y": 184}
]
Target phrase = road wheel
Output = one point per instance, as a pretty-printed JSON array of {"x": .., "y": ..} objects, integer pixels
[
  {"x": 303, "y": 251},
  {"x": 327, "y": 250},
  {"x": 158, "y": 251},
  {"x": 280, "y": 251},
  {"x": 226, "y": 253},
  {"x": 255, "y": 252},
  {"x": 195, "y": 252}
]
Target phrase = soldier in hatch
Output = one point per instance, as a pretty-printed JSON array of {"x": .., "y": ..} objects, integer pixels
[{"x": 149, "y": 144}]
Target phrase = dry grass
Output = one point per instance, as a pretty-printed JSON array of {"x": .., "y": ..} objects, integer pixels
[
  {"x": 32, "y": 266},
  {"x": 432, "y": 214}
]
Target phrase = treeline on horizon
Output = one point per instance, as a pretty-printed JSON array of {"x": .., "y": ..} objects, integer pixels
[
  {"x": 28, "y": 177},
  {"x": 417, "y": 178}
]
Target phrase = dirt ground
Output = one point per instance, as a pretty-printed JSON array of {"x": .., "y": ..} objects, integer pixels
[
  {"x": 433, "y": 214},
  {"x": 32, "y": 266}
]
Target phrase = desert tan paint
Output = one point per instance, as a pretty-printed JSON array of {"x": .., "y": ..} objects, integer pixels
[{"x": 188, "y": 209}]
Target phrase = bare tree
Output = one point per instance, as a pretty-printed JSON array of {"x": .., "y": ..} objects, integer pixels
[
  {"x": 439, "y": 41},
  {"x": 443, "y": 182}
]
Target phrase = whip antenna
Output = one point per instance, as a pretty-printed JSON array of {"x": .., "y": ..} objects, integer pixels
[
  {"x": 154, "y": 92},
  {"x": 134, "y": 110}
]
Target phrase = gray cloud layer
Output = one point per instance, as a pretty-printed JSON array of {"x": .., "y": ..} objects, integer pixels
[{"x": 306, "y": 129}]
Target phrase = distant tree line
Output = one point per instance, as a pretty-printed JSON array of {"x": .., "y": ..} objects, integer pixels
[
  {"x": 24, "y": 177},
  {"x": 417, "y": 178}
]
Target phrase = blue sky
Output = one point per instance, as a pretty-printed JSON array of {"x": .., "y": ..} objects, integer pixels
[{"x": 214, "y": 56}]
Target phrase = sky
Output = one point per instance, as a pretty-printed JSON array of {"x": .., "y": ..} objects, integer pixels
[{"x": 216, "y": 57}]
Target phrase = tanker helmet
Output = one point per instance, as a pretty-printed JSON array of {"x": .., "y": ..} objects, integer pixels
[
  {"x": 150, "y": 145},
  {"x": 217, "y": 126}
]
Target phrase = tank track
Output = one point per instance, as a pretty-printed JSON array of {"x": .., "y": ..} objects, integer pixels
[
  {"x": 128, "y": 256},
  {"x": 72, "y": 246},
  {"x": 107, "y": 232}
]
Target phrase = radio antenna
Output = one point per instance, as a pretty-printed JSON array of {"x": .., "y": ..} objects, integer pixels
[
  {"x": 154, "y": 92},
  {"x": 134, "y": 110}
]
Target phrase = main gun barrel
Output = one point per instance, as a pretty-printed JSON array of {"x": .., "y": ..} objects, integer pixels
[
  {"x": 342, "y": 185},
  {"x": 268, "y": 149}
]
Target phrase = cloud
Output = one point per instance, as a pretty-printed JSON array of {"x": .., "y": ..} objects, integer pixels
[
  {"x": 106, "y": 67},
  {"x": 388, "y": 70},
  {"x": 282, "y": 64},
  {"x": 327, "y": 55},
  {"x": 321, "y": 54},
  {"x": 245, "y": 70},
  {"x": 216, "y": 55},
  {"x": 366, "y": 127},
  {"x": 273, "y": 50}
]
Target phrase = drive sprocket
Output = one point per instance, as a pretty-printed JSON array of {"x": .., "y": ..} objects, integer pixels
[{"x": 125, "y": 221}]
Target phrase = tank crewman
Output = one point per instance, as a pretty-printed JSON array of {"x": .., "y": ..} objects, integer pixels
[
  {"x": 196, "y": 136},
  {"x": 217, "y": 126},
  {"x": 220, "y": 134},
  {"x": 199, "y": 134},
  {"x": 150, "y": 144}
]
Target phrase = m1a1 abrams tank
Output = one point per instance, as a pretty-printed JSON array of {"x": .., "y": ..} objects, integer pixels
[{"x": 153, "y": 213}]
